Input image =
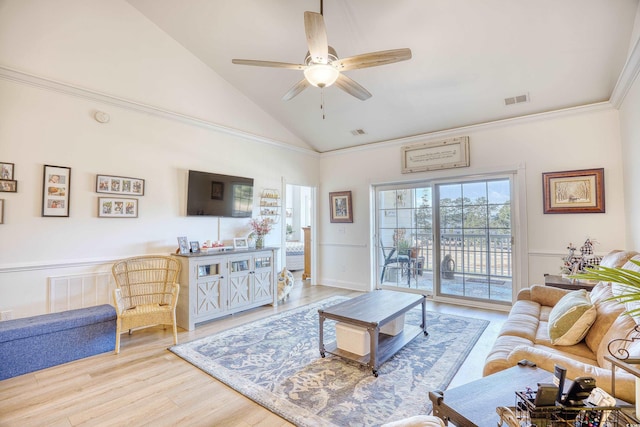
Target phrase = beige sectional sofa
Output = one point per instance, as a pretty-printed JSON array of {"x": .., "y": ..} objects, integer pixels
[{"x": 525, "y": 334}]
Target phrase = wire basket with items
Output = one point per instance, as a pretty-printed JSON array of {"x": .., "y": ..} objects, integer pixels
[{"x": 583, "y": 405}]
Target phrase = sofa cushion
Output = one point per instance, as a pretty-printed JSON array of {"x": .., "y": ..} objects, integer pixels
[
  {"x": 621, "y": 329},
  {"x": 617, "y": 289},
  {"x": 607, "y": 311},
  {"x": 523, "y": 320},
  {"x": 571, "y": 318},
  {"x": 617, "y": 258}
]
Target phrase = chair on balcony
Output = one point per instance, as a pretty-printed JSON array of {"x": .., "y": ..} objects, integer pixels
[
  {"x": 146, "y": 294},
  {"x": 401, "y": 260}
]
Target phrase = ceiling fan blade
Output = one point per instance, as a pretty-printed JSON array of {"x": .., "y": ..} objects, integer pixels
[
  {"x": 372, "y": 59},
  {"x": 269, "y": 64},
  {"x": 352, "y": 88},
  {"x": 296, "y": 89},
  {"x": 316, "y": 37}
]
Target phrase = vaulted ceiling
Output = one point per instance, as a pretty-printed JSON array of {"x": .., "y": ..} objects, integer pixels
[{"x": 467, "y": 57}]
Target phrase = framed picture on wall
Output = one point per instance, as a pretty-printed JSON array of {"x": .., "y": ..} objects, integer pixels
[
  {"x": 56, "y": 186},
  {"x": 8, "y": 186},
  {"x": 1, "y": 211},
  {"x": 6, "y": 170},
  {"x": 578, "y": 191},
  {"x": 117, "y": 207},
  {"x": 119, "y": 185},
  {"x": 340, "y": 205}
]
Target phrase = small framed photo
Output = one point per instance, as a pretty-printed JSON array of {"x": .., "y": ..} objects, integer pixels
[
  {"x": 117, "y": 207},
  {"x": 340, "y": 203},
  {"x": 119, "y": 185},
  {"x": 6, "y": 171},
  {"x": 56, "y": 186},
  {"x": 1, "y": 211},
  {"x": 195, "y": 247},
  {"x": 183, "y": 245},
  {"x": 217, "y": 190},
  {"x": 8, "y": 186},
  {"x": 240, "y": 243},
  {"x": 578, "y": 191}
]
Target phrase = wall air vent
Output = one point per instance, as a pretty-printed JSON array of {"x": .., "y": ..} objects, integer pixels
[
  {"x": 357, "y": 132},
  {"x": 516, "y": 99}
]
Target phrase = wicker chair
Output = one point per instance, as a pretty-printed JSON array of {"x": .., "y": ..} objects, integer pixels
[{"x": 146, "y": 294}]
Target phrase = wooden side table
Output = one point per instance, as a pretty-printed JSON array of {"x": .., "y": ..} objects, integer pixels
[
  {"x": 570, "y": 284},
  {"x": 307, "y": 253}
]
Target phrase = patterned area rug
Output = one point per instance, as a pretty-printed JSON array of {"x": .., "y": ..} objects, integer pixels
[{"x": 276, "y": 362}]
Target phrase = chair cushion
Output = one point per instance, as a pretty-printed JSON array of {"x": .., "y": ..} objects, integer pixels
[{"x": 571, "y": 318}]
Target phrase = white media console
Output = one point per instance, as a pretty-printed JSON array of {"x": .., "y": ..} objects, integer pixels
[{"x": 222, "y": 283}]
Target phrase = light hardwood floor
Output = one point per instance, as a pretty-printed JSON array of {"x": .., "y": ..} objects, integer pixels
[{"x": 147, "y": 385}]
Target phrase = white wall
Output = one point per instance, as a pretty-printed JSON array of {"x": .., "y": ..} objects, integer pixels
[
  {"x": 109, "y": 48},
  {"x": 582, "y": 139},
  {"x": 630, "y": 135}
]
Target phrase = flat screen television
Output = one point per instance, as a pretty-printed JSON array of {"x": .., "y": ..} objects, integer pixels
[{"x": 211, "y": 194}]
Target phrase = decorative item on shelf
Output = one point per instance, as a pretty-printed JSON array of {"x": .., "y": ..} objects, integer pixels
[
  {"x": 574, "y": 264},
  {"x": 260, "y": 228},
  {"x": 270, "y": 204}
]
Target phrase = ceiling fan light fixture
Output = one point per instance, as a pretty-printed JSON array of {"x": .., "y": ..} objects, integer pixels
[{"x": 321, "y": 75}]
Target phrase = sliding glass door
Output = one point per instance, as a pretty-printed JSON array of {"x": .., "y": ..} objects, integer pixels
[{"x": 469, "y": 255}]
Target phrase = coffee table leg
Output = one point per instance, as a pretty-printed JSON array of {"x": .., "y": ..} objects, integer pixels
[
  {"x": 373, "y": 349},
  {"x": 424, "y": 316},
  {"x": 321, "y": 331}
]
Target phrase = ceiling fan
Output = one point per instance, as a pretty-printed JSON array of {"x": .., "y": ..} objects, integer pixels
[{"x": 322, "y": 67}]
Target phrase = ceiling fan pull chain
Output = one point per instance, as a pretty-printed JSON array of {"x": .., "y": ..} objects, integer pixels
[{"x": 322, "y": 103}]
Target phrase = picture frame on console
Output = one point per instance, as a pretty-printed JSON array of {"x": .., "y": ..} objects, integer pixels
[
  {"x": 183, "y": 245},
  {"x": 577, "y": 191},
  {"x": 240, "y": 243},
  {"x": 195, "y": 247},
  {"x": 120, "y": 185},
  {"x": 117, "y": 207},
  {"x": 56, "y": 189}
]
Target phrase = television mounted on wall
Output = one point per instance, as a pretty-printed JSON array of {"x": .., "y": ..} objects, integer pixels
[{"x": 211, "y": 194}]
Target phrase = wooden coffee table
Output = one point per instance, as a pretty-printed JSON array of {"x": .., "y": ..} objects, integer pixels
[
  {"x": 475, "y": 403},
  {"x": 371, "y": 311}
]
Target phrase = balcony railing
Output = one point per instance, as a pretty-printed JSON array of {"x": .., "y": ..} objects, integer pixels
[{"x": 473, "y": 254}]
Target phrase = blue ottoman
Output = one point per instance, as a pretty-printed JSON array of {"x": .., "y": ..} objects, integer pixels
[{"x": 33, "y": 343}]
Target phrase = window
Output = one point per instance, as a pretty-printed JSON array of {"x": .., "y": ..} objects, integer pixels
[{"x": 470, "y": 255}]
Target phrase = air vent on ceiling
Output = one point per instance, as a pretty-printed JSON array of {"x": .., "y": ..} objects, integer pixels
[
  {"x": 516, "y": 99},
  {"x": 357, "y": 132}
]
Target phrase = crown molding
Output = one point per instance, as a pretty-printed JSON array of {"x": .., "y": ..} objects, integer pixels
[
  {"x": 103, "y": 98},
  {"x": 449, "y": 133},
  {"x": 627, "y": 77}
]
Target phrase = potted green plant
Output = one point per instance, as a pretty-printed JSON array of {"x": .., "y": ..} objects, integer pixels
[{"x": 630, "y": 279}]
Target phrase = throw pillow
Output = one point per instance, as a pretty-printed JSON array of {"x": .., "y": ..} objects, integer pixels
[{"x": 571, "y": 318}]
